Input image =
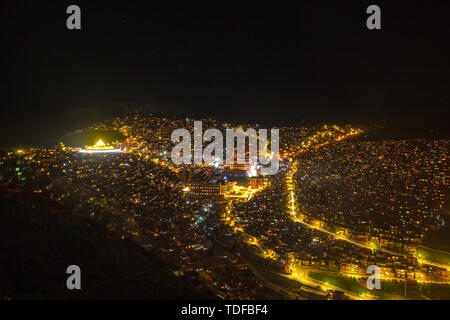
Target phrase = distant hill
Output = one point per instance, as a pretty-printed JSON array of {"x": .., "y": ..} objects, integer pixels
[
  {"x": 37, "y": 247},
  {"x": 402, "y": 132}
]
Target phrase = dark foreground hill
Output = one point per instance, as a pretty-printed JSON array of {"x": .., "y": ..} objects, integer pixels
[{"x": 37, "y": 247}]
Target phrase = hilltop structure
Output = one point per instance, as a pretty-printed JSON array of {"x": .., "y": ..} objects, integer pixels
[{"x": 100, "y": 147}]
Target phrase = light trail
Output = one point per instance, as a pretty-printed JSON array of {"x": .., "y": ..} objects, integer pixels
[
  {"x": 101, "y": 151},
  {"x": 323, "y": 230}
]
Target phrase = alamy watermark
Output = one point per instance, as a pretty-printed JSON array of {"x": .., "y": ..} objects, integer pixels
[
  {"x": 374, "y": 280},
  {"x": 73, "y": 21},
  {"x": 74, "y": 280},
  {"x": 213, "y": 152}
]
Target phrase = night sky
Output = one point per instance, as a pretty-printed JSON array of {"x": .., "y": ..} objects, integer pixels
[{"x": 280, "y": 61}]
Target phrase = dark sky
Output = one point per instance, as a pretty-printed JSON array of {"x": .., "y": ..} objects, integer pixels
[{"x": 280, "y": 61}]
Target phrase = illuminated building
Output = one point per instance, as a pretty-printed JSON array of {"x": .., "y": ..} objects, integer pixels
[
  {"x": 100, "y": 147},
  {"x": 255, "y": 182},
  {"x": 207, "y": 189},
  {"x": 237, "y": 166},
  {"x": 235, "y": 170}
]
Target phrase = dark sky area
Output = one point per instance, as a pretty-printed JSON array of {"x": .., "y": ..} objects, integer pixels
[{"x": 273, "y": 61}]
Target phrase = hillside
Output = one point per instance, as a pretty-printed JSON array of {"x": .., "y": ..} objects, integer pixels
[{"x": 37, "y": 246}]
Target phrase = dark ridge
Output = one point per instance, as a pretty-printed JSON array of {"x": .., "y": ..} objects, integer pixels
[{"x": 37, "y": 247}]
